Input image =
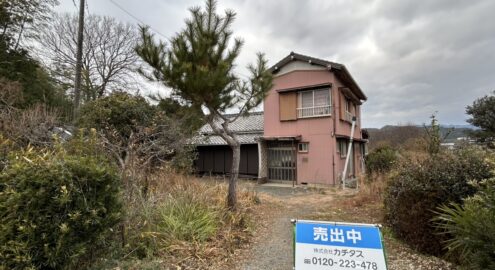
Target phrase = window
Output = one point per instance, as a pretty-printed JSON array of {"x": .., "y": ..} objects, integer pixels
[
  {"x": 364, "y": 149},
  {"x": 303, "y": 147},
  {"x": 313, "y": 103},
  {"x": 348, "y": 105},
  {"x": 342, "y": 146}
]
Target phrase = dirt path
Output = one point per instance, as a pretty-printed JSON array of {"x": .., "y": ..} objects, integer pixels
[{"x": 272, "y": 247}]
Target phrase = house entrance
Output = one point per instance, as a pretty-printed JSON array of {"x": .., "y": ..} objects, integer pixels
[{"x": 282, "y": 161}]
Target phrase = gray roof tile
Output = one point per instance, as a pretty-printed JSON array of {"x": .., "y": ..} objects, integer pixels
[{"x": 247, "y": 129}]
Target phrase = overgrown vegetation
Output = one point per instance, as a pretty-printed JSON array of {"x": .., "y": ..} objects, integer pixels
[
  {"x": 381, "y": 160},
  {"x": 57, "y": 207},
  {"x": 469, "y": 227},
  {"x": 419, "y": 187},
  {"x": 184, "y": 222},
  {"x": 421, "y": 184}
]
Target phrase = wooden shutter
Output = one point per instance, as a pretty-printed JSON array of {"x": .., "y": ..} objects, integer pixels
[{"x": 288, "y": 105}]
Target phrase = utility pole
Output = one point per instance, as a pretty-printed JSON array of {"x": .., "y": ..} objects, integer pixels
[{"x": 80, "y": 39}]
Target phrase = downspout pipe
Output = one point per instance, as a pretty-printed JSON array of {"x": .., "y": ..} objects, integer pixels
[{"x": 349, "y": 149}]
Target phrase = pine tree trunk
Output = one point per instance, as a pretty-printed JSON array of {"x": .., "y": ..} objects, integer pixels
[{"x": 234, "y": 175}]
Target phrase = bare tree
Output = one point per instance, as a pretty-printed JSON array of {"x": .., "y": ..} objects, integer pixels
[
  {"x": 22, "y": 18},
  {"x": 108, "y": 61}
]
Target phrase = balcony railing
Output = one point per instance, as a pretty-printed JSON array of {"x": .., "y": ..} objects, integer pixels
[{"x": 314, "y": 111}]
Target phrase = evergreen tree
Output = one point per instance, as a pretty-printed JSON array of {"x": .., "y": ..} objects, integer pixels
[
  {"x": 482, "y": 113},
  {"x": 199, "y": 68}
]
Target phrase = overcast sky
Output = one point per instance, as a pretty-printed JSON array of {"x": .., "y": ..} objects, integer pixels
[{"x": 411, "y": 58}]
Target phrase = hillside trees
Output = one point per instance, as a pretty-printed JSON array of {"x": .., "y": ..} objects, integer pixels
[
  {"x": 199, "y": 68},
  {"x": 109, "y": 59}
]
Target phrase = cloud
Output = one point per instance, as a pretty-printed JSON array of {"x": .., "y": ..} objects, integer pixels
[{"x": 411, "y": 58}]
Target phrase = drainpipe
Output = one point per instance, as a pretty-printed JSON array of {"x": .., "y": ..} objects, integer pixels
[
  {"x": 349, "y": 149},
  {"x": 334, "y": 116}
]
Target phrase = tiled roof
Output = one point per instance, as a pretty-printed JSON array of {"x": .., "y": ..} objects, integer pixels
[
  {"x": 247, "y": 129},
  {"x": 217, "y": 140}
]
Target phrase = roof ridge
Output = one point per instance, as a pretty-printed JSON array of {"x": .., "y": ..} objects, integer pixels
[
  {"x": 248, "y": 114},
  {"x": 316, "y": 58}
]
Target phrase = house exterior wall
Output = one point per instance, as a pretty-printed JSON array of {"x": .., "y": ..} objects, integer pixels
[{"x": 322, "y": 163}]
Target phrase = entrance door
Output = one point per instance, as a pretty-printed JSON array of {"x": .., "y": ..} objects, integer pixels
[{"x": 282, "y": 161}]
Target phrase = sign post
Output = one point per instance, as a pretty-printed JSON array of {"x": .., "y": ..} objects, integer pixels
[{"x": 335, "y": 245}]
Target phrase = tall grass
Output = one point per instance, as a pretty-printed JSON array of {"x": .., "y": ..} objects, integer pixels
[{"x": 184, "y": 220}]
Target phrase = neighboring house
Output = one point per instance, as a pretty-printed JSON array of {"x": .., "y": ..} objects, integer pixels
[{"x": 306, "y": 127}]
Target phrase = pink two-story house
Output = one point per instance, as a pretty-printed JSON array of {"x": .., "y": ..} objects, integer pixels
[
  {"x": 307, "y": 123},
  {"x": 304, "y": 132}
]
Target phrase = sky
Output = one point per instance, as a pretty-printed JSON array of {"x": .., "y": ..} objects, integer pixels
[{"x": 411, "y": 58}]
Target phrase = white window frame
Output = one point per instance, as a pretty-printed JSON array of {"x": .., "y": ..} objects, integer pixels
[
  {"x": 314, "y": 111},
  {"x": 342, "y": 144},
  {"x": 347, "y": 108},
  {"x": 303, "y": 147}
]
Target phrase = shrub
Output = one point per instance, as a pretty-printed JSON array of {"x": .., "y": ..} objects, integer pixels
[
  {"x": 471, "y": 228},
  {"x": 56, "y": 208},
  {"x": 184, "y": 219},
  {"x": 120, "y": 113},
  {"x": 381, "y": 160},
  {"x": 418, "y": 188}
]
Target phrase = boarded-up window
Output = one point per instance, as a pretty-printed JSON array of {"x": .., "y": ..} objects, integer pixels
[{"x": 288, "y": 104}]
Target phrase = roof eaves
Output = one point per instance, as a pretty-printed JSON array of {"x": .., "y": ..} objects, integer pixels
[
  {"x": 312, "y": 60},
  {"x": 324, "y": 63}
]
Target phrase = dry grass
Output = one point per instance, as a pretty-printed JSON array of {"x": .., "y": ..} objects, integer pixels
[
  {"x": 147, "y": 245},
  {"x": 371, "y": 189}
]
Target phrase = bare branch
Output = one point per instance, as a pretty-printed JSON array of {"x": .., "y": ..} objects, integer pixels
[{"x": 109, "y": 59}]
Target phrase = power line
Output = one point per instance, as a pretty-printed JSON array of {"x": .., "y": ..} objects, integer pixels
[{"x": 136, "y": 18}]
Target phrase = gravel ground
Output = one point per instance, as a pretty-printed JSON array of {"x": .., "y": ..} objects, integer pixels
[{"x": 272, "y": 246}]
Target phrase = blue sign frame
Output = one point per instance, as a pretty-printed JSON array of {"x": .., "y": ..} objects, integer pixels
[{"x": 338, "y": 234}]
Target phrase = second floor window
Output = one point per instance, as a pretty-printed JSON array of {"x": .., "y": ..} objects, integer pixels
[
  {"x": 348, "y": 114},
  {"x": 313, "y": 103}
]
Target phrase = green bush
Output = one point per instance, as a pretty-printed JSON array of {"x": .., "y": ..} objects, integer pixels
[
  {"x": 381, "y": 160},
  {"x": 418, "y": 188},
  {"x": 470, "y": 228},
  {"x": 56, "y": 208},
  {"x": 121, "y": 113}
]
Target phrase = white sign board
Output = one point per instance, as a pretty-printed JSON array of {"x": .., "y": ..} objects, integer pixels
[{"x": 330, "y": 245}]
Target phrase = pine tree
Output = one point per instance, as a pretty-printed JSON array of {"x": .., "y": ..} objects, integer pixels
[{"x": 198, "y": 66}]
